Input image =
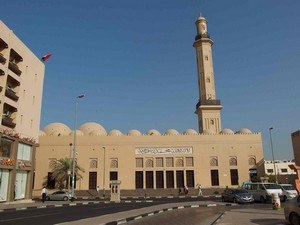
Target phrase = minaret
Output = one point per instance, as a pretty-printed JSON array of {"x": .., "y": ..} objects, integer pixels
[{"x": 209, "y": 107}]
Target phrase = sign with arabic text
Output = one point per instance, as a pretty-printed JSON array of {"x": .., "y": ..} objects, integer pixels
[{"x": 161, "y": 151}]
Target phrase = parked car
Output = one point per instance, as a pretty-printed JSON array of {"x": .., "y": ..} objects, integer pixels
[
  {"x": 60, "y": 196},
  {"x": 288, "y": 191},
  {"x": 292, "y": 211},
  {"x": 237, "y": 196},
  {"x": 263, "y": 191}
]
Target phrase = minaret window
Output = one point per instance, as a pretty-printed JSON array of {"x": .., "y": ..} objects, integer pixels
[
  {"x": 212, "y": 122},
  {"x": 206, "y": 57},
  {"x": 208, "y": 80}
]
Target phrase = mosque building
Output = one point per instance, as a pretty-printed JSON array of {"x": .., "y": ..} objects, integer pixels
[{"x": 213, "y": 157}]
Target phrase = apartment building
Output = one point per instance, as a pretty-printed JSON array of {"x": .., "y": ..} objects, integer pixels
[{"x": 21, "y": 86}]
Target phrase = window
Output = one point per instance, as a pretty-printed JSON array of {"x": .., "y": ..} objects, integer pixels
[
  {"x": 93, "y": 164},
  {"x": 233, "y": 161},
  {"x": 24, "y": 152},
  {"x": 113, "y": 175},
  {"x": 50, "y": 181},
  {"x": 149, "y": 163},
  {"x": 92, "y": 180},
  {"x": 179, "y": 162},
  {"x": 214, "y": 177},
  {"x": 179, "y": 178},
  {"x": 269, "y": 170},
  {"x": 5, "y": 147},
  {"x": 251, "y": 161},
  {"x": 139, "y": 162},
  {"x": 170, "y": 179},
  {"x": 189, "y": 161},
  {"x": 159, "y": 162},
  {"x": 159, "y": 179},
  {"x": 284, "y": 170},
  {"x": 190, "y": 178},
  {"x": 114, "y": 163},
  {"x": 214, "y": 161},
  {"x": 169, "y": 162},
  {"x": 139, "y": 179},
  {"x": 149, "y": 179},
  {"x": 234, "y": 177}
]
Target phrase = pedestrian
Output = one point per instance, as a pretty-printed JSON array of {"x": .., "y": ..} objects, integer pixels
[
  {"x": 44, "y": 193},
  {"x": 186, "y": 190},
  {"x": 97, "y": 189},
  {"x": 179, "y": 191},
  {"x": 199, "y": 189}
]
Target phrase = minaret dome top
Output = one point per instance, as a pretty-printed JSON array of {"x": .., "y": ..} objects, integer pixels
[{"x": 201, "y": 24}]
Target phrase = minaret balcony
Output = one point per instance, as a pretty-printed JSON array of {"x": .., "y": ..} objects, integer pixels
[
  {"x": 208, "y": 102},
  {"x": 200, "y": 36}
]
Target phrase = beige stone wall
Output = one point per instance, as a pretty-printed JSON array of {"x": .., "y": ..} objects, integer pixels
[
  {"x": 27, "y": 117},
  {"x": 122, "y": 148}
]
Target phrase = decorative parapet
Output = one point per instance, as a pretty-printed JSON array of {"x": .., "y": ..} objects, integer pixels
[{"x": 13, "y": 134}]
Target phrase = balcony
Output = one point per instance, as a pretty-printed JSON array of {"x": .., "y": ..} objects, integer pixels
[
  {"x": 208, "y": 102},
  {"x": 2, "y": 59},
  {"x": 8, "y": 122},
  {"x": 200, "y": 36},
  {"x": 14, "y": 67},
  {"x": 1, "y": 72},
  {"x": 11, "y": 94}
]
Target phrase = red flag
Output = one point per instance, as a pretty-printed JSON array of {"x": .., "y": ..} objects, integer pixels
[{"x": 46, "y": 57}]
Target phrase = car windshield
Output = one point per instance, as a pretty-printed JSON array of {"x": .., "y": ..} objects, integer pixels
[
  {"x": 272, "y": 186},
  {"x": 288, "y": 187},
  {"x": 240, "y": 191}
]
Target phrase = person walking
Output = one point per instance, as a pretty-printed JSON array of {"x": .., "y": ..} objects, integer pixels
[
  {"x": 44, "y": 193},
  {"x": 97, "y": 189},
  {"x": 199, "y": 189},
  {"x": 186, "y": 190}
]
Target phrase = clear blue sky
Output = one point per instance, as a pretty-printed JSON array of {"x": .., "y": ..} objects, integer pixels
[{"x": 135, "y": 62}]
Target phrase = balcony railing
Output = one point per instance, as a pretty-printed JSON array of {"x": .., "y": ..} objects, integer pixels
[
  {"x": 2, "y": 59},
  {"x": 200, "y": 36},
  {"x": 14, "y": 67},
  {"x": 11, "y": 94},
  {"x": 208, "y": 102},
  {"x": 8, "y": 122}
]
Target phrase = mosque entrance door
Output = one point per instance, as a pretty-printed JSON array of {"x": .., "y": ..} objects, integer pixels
[{"x": 149, "y": 179}]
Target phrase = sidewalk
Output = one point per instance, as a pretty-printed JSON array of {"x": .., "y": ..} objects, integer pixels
[{"x": 255, "y": 216}]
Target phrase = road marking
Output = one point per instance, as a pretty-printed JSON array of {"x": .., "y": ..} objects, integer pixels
[
  {"x": 194, "y": 196},
  {"x": 137, "y": 218},
  {"x": 43, "y": 206},
  {"x": 138, "y": 201},
  {"x": 85, "y": 203},
  {"x": 170, "y": 196},
  {"x": 150, "y": 214},
  {"x": 122, "y": 221},
  {"x": 72, "y": 204},
  {"x": 58, "y": 205},
  {"x": 170, "y": 209},
  {"x": 160, "y": 211},
  {"x": 181, "y": 207},
  {"x": 194, "y": 206},
  {"x": 211, "y": 205},
  {"x": 127, "y": 201},
  {"x": 149, "y": 200},
  {"x": 21, "y": 208},
  {"x": 158, "y": 197},
  {"x": 181, "y": 196}
]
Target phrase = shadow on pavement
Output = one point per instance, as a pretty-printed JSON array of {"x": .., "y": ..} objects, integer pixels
[{"x": 269, "y": 221}]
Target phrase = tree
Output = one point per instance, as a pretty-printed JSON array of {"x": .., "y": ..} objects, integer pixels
[{"x": 60, "y": 168}]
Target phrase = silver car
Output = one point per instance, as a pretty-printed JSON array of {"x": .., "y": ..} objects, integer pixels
[
  {"x": 60, "y": 196},
  {"x": 292, "y": 211}
]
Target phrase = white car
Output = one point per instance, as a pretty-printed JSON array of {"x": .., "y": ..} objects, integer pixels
[{"x": 288, "y": 191}]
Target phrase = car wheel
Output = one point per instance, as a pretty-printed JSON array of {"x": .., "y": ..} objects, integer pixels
[
  {"x": 262, "y": 199},
  {"x": 47, "y": 198},
  {"x": 65, "y": 198},
  {"x": 294, "y": 219}
]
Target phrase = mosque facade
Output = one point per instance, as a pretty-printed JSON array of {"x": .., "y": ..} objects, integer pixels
[{"x": 212, "y": 157}]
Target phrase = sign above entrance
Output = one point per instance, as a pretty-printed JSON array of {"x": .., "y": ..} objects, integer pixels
[{"x": 161, "y": 151}]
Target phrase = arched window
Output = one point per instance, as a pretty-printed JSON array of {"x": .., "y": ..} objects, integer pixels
[
  {"x": 114, "y": 163},
  {"x": 252, "y": 161},
  {"x": 233, "y": 161},
  {"x": 179, "y": 163},
  {"x": 213, "y": 162},
  {"x": 93, "y": 164},
  {"x": 149, "y": 163}
]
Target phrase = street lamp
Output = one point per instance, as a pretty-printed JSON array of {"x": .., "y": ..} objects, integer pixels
[
  {"x": 270, "y": 129},
  {"x": 74, "y": 145},
  {"x": 103, "y": 172}
]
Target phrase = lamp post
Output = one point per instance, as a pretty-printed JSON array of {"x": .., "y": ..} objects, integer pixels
[
  {"x": 74, "y": 145},
  {"x": 103, "y": 172},
  {"x": 270, "y": 130}
]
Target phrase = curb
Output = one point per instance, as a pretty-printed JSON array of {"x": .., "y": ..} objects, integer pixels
[
  {"x": 67, "y": 204},
  {"x": 125, "y": 220}
]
